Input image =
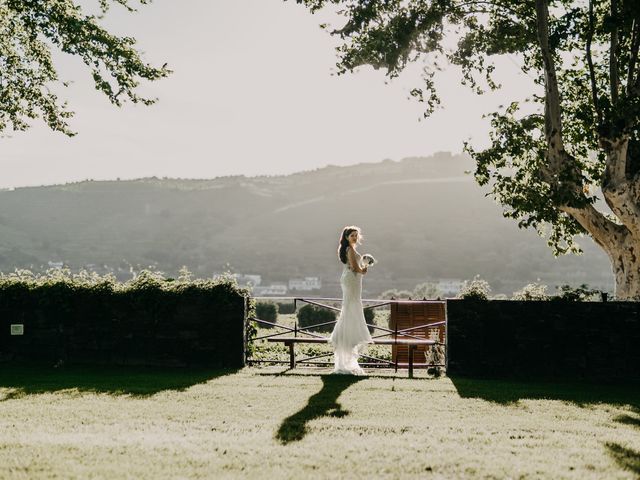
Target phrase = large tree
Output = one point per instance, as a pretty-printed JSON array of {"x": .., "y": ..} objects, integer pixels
[
  {"x": 31, "y": 29},
  {"x": 547, "y": 165}
]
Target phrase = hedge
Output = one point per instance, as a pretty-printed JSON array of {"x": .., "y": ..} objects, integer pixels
[
  {"x": 544, "y": 339},
  {"x": 150, "y": 320},
  {"x": 310, "y": 315},
  {"x": 268, "y": 312},
  {"x": 286, "y": 308}
]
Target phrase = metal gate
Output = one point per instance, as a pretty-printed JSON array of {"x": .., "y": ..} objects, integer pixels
[{"x": 408, "y": 319}]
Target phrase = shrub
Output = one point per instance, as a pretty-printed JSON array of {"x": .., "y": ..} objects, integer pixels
[
  {"x": 312, "y": 315},
  {"x": 286, "y": 308},
  {"x": 578, "y": 294},
  {"x": 476, "y": 289},
  {"x": 532, "y": 291},
  {"x": 396, "y": 294},
  {"x": 370, "y": 317},
  {"x": 426, "y": 290},
  {"x": 266, "y": 311}
]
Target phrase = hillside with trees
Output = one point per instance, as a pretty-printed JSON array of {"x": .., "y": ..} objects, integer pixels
[{"x": 424, "y": 219}]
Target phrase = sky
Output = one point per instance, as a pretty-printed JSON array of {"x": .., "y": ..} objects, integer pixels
[{"x": 253, "y": 93}]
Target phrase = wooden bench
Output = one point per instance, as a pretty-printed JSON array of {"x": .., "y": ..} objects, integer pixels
[{"x": 411, "y": 343}]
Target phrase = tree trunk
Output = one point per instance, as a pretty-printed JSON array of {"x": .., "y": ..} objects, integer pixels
[
  {"x": 620, "y": 191},
  {"x": 625, "y": 260}
]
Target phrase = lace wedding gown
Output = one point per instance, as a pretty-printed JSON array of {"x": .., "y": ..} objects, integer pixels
[{"x": 351, "y": 329}]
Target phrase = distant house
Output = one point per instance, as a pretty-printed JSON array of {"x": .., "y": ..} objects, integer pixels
[
  {"x": 55, "y": 264},
  {"x": 276, "y": 289},
  {"x": 248, "y": 279},
  {"x": 306, "y": 283}
]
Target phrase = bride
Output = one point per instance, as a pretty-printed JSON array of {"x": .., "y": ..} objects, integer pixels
[{"x": 350, "y": 331}]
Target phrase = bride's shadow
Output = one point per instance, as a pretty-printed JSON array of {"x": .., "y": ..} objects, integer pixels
[{"x": 322, "y": 404}]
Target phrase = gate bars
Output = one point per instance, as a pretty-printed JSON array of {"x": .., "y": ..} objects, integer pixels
[{"x": 306, "y": 331}]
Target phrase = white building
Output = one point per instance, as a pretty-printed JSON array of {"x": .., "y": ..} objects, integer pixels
[
  {"x": 276, "y": 289},
  {"x": 248, "y": 279},
  {"x": 55, "y": 264},
  {"x": 306, "y": 283}
]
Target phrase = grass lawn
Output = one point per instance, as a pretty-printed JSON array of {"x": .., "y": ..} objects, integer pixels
[{"x": 108, "y": 423}]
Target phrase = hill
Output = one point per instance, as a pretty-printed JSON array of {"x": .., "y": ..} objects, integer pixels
[{"x": 423, "y": 218}]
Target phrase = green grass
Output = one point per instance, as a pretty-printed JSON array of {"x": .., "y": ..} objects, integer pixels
[{"x": 267, "y": 423}]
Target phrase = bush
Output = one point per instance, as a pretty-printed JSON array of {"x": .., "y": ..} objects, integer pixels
[
  {"x": 396, "y": 294},
  {"x": 286, "y": 308},
  {"x": 532, "y": 291},
  {"x": 312, "y": 315},
  {"x": 369, "y": 317},
  {"x": 578, "y": 294},
  {"x": 476, "y": 289},
  {"x": 426, "y": 290},
  {"x": 266, "y": 311}
]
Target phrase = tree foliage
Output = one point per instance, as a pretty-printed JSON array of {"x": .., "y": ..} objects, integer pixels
[
  {"x": 29, "y": 32},
  {"x": 426, "y": 290},
  {"x": 580, "y": 131}
]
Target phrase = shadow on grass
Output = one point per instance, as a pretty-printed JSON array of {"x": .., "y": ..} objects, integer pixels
[
  {"x": 322, "y": 404},
  {"x": 580, "y": 393},
  {"x": 136, "y": 381},
  {"x": 634, "y": 421},
  {"x": 626, "y": 458}
]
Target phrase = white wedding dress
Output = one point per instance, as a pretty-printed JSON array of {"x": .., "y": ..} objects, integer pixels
[{"x": 350, "y": 331}]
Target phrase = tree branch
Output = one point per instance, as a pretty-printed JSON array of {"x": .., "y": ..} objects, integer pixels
[
  {"x": 600, "y": 227},
  {"x": 613, "y": 56},
  {"x": 592, "y": 74},
  {"x": 553, "y": 124},
  {"x": 494, "y": 4},
  {"x": 621, "y": 193},
  {"x": 605, "y": 233},
  {"x": 633, "y": 56}
]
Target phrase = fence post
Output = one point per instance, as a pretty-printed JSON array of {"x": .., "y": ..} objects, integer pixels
[
  {"x": 245, "y": 325},
  {"x": 395, "y": 360},
  {"x": 412, "y": 349}
]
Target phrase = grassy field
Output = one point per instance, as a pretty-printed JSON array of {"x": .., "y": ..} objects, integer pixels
[{"x": 262, "y": 423}]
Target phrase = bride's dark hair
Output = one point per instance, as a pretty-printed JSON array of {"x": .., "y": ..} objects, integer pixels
[{"x": 344, "y": 241}]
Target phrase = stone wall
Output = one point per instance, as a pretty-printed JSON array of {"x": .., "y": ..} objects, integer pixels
[
  {"x": 189, "y": 328},
  {"x": 560, "y": 339}
]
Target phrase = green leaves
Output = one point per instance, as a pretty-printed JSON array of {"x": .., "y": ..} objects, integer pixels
[
  {"x": 28, "y": 31},
  {"x": 537, "y": 179},
  {"x": 144, "y": 280}
]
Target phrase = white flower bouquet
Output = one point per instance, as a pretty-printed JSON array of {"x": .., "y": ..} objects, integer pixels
[{"x": 368, "y": 260}]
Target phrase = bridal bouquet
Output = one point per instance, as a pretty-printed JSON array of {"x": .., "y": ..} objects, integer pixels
[{"x": 368, "y": 260}]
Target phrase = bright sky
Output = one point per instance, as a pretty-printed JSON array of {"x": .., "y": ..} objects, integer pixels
[{"x": 251, "y": 93}]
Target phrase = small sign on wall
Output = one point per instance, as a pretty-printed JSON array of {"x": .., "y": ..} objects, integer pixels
[{"x": 17, "y": 329}]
